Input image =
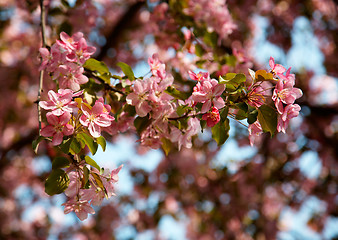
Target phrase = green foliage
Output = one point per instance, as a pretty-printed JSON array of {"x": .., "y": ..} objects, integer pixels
[
  {"x": 87, "y": 140},
  {"x": 176, "y": 93},
  {"x": 92, "y": 162},
  {"x": 182, "y": 109},
  {"x": 267, "y": 117},
  {"x": 262, "y": 75},
  {"x": 220, "y": 132},
  {"x": 65, "y": 27},
  {"x": 35, "y": 143},
  {"x": 166, "y": 145},
  {"x": 252, "y": 116},
  {"x": 60, "y": 162},
  {"x": 126, "y": 69},
  {"x": 100, "y": 68},
  {"x": 57, "y": 182},
  {"x": 232, "y": 81},
  {"x": 75, "y": 146},
  {"x": 98, "y": 181},
  {"x": 65, "y": 145},
  {"x": 141, "y": 123},
  {"x": 85, "y": 179},
  {"x": 102, "y": 142}
]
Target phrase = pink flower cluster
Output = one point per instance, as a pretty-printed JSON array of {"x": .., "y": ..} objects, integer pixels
[
  {"x": 284, "y": 96},
  {"x": 214, "y": 14},
  {"x": 151, "y": 100},
  {"x": 96, "y": 117},
  {"x": 81, "y": 198},
  {"x": 208, "y": 91},
  {"x": 61, "y": 106},
  {"x": 65, "y": 59}
]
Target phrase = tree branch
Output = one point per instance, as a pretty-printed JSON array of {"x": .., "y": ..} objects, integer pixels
[
  {"x": 122, "y": 25},
  {"x": 43, "y": 27}
]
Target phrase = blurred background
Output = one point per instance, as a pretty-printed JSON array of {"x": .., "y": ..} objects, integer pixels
[{"x": 284, "y": 187}]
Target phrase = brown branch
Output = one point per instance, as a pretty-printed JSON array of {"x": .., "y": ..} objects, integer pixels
[
  {"x": 106, "y": 85},
  {"x": 120, "y": 27},
  {"x": 43, "y": 27}
]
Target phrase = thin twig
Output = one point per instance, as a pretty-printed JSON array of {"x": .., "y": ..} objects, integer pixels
[
  {"x": 43, "y": 27},
  {"x": 106, "y": 85}
]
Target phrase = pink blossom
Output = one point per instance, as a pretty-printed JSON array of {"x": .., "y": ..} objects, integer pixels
[
  {"x": 138, "y": 98},
  {"x": 255, "y": 130},
  {"x": 157, "y": 67},
  {"x": 289, "y": 112},
  {"x": 95, "y": 117},
  {"x": 81, "y": 207},
  {"x": 94, "y": 194},
  {"x": 212, "y": 117},
  {"x": 284, "y": 93},
  {"x": 58, "y": 127},
  {"x": 256, "y": 97},
  {"x": 68, "y": 42},
  {"x": 123, "y": 123},
  {"x": 46, "y": 57},
  {"x": 111, "y": 180},
  {"x": 59, "y": 102},
  {"x": 81, "y": 53},
  {"x": 72, "y": 76},
  {"x": 199, "y": 76},
  {"x": 276, "y": 68},
  {"x": 74, "y": 184},
  {"x": 289, "y": 79},
  {"x": 183, "y": 137},
  {"x": 208, "y": 92}
]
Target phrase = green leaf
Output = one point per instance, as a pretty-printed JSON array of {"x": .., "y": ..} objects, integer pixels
[
  {"x": 176, "y": 93},
  {"x": 65, "y": 3},
  {"x": 66, "y": 145},
  {"x": 85, "y": 179},
  {"x": 57, "y": 182},
  {"x": 35, "y": 143},
  {"x": 203, "y": 124},
  {"x": 102, "y": 142},
  {"x": 232, "y": 81},
  {"x": 224, "y": 113},
  {"x": 243, "y": 106},
  {"x": 267, "y": 117},
  {"x": 182, "y": 109},
  {"x": 65, "y": 27},
  {"x": 60, "y": 162},
  {"x": 199, "y": 50},
  {"x": 75, "y": 146},
  {"x": 141, "y": 123},
  {"x": 92, "y": 162},
  {"x": 240, "y": 115},
  {"x": 126, "y": 69},
  {"x": 262, "y": 75},
  {"x": 252, "y": 117},
  {"x": 231, "y": 60},
  {"x": 220, "y": 132},
  {"x": 130, "y": 110},
  {"x": 88, "y": 141},
  {"x": 166, "y": 145},
  {"x": 211, "y": 39},
  {"x": 99, "y": 67},
  {"x": 98, "y": 181}
]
